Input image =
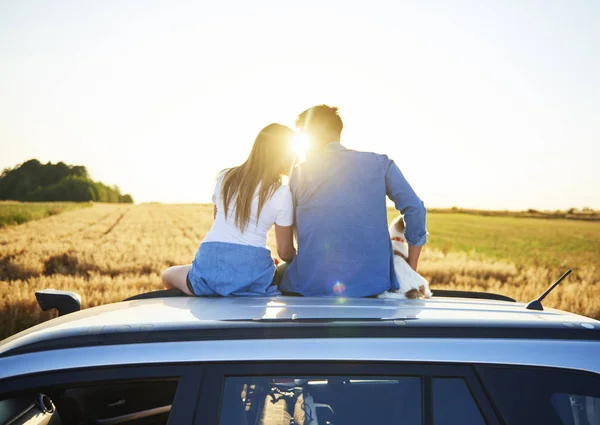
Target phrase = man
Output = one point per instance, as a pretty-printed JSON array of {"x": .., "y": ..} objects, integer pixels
[{"x": 344, "y": 247}]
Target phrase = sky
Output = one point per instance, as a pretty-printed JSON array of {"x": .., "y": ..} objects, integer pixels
[{"x": 482, "y": 104}]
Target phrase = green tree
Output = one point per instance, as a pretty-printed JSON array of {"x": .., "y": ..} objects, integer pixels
[
  {"x": 33, "y": 181},
  {"x": 73, "y": 189},
  {"x": 126, "y": 199}
]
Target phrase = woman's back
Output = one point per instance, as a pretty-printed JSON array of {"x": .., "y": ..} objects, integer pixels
[
  {"x": 278, "y": 209},
  {"x": 233, "y": 259}
]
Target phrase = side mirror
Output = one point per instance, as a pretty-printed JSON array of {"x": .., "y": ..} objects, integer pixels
[{"x": 64, "y": 301}]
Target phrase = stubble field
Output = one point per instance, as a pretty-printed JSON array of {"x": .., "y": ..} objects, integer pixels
[{"x": 110, "y": 252}]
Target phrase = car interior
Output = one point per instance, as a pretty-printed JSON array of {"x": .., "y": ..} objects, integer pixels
[
  {"x": 135, "y": 403},
  {"x": 320, "y": 401}
]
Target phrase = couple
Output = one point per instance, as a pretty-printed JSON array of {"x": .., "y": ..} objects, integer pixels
[{"x": 336, "y": 202}]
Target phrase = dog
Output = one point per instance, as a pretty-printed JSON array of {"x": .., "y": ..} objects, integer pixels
[{"x": 412, "y": 284}]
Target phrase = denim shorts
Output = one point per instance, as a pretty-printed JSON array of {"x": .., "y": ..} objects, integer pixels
[
  {"x": 227, "y": 269},
  {"x": 189, "y": 284}
]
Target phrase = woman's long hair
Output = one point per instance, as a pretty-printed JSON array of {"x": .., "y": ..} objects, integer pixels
[{"x": 271, "y": 156}]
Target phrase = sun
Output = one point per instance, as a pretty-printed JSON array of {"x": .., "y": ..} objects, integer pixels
[{"x": 300, "y": 145}]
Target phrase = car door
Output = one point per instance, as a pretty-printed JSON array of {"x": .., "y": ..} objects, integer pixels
[
  {"x": 129, "y": 395},
  {"x": 341, "y": 393}
]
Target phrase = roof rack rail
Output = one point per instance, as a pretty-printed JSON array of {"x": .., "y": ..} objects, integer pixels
[
  {"x": 163, "y": 293},
  {"x": 437, "y": 293},
  {"x": 448, "y": 293}
]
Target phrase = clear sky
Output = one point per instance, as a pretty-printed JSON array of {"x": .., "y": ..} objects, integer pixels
[{"x": 483, "y": 104}]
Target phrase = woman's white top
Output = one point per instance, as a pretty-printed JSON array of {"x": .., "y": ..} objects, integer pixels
[{"x": 278, "y": 209}]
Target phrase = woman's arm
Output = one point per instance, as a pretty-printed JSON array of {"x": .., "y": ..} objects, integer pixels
[{"x": 284, "y": 236}]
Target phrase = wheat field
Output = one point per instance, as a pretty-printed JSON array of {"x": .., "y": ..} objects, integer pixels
[{"x": 107, "y": 253}]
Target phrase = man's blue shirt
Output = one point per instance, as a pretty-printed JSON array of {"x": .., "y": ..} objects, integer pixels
[{"x": 344, "y": 247}]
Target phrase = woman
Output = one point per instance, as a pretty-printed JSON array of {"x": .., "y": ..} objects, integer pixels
[{"x": 248, "y": 199}]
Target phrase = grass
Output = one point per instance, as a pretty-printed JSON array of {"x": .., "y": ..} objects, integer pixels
[
  {"x": 110, "y": 252},
  {"x": 12, "y": 213},
  {"x": 571, "y": 214},
  {"x": 523, "y": 241}
]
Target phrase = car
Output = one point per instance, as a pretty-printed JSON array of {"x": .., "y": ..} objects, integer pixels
[{"x": 161, "y": 358}]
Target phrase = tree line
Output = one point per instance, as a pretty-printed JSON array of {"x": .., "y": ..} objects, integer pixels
[{"x": 33, "y": 181}]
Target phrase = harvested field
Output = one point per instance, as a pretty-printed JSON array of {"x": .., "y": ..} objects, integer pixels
[{"x": 110, "y": 252}]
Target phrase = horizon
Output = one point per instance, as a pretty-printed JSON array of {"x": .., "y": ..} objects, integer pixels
[
  {"x": 389, "y": 203},
  {"x": 483, "y": 105}
]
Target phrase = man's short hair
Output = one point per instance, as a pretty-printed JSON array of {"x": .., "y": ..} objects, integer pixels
[{"x": 320, "y": 119}]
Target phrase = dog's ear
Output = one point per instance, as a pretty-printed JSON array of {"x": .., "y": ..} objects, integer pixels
[{"x": 399, "y": 225}]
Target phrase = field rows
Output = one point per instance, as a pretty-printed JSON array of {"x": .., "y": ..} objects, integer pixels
[
  {"x": 104, "y": 240},
  {"x": 110, "y": 252}
]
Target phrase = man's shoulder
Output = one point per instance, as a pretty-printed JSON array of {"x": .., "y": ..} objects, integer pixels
[
  {"x": 322, "y": 166},
  {"x": 366, "y": 154},
  {"x": 372, "y": 157},
  {"x": 319, "y": 164}
]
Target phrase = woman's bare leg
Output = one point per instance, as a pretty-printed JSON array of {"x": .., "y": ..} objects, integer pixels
[{"x": 175, "y": 278}]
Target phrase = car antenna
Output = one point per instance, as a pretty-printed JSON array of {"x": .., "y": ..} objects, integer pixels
[{"x": 537, "y": 303}]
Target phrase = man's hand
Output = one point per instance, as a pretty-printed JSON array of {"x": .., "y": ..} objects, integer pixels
[{"x": 413, "y": 256}]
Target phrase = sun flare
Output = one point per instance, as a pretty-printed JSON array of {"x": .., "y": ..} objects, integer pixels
[{"x": 300, "y": 146}]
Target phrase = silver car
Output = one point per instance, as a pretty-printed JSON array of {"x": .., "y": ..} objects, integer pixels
[{"x": 458, "y": 358}]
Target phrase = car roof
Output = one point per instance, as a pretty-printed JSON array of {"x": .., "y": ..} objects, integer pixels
[{"x": 176, "y": 318}]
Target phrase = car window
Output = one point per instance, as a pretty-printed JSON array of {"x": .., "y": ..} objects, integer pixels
[
  {"x": 453, "y": 403},
  {"x": 549, "y": 396},
  {"x": 321, "y": 400},
  {"x": 145, "y": 402},
  {"x": 575, "y": 409}
]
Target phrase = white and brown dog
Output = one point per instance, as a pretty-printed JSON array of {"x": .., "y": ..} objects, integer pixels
[{"x": 412, "y": 284}]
